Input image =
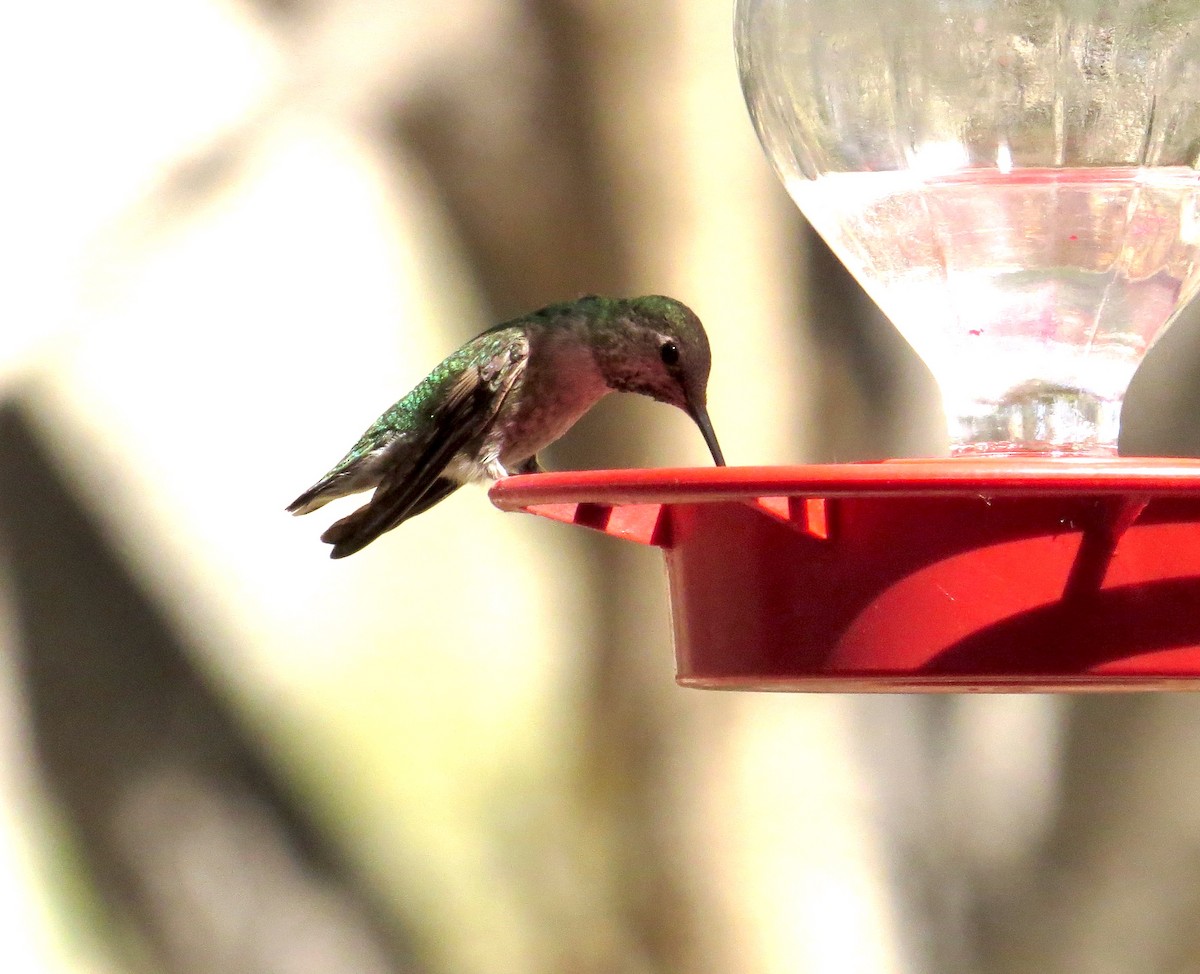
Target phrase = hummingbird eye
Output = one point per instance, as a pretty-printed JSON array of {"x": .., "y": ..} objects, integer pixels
[{"x": 669, "y": 352}]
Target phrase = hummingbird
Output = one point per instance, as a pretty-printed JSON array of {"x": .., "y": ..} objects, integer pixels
[{"x": 490, "y": 406}]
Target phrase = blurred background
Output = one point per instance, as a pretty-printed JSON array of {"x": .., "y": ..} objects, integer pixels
[{"x": 233, "y": 231}]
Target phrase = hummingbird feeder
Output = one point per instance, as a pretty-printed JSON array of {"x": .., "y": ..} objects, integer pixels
[{"x": 1017, "y": 187}]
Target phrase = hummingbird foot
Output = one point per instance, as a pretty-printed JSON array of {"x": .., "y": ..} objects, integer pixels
[{"x": 493, "y": 469}]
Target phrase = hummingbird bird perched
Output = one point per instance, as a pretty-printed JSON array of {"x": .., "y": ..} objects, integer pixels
[{"x": 490, "y": 406}]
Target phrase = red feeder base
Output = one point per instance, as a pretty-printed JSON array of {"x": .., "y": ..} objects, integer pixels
[{"x": 935, "y": 575}]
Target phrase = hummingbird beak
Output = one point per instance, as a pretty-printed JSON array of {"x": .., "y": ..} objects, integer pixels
[{"x": 700, "y": 415}]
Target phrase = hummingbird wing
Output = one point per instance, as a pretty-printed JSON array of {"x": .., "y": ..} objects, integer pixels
[{"x": 414, "y": 481}]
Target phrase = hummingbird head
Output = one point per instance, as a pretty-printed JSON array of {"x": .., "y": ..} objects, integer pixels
[{"x": 657, "y": 347}]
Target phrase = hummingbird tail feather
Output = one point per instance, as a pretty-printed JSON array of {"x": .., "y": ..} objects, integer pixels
[
  {"x": 357, "y": 530},
  {"x": 340, "y": 533}
]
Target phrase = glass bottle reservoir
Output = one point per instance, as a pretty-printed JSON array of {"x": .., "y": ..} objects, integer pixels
[{"x": 1013, "y": 181}]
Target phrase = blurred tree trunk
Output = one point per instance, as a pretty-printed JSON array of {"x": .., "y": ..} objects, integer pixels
[{"x": 197, "y": 852}]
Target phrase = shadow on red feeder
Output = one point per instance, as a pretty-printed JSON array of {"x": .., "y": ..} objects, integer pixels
[{"x": 951, "y": 575}]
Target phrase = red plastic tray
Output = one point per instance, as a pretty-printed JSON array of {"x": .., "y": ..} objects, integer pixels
[{"x": 951, "y": 575}]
